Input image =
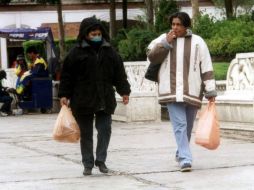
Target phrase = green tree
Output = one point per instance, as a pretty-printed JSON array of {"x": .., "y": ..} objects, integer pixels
[
  {"x": 125, "y": 18},
  {"x": 195, "y": 10},
  {"x": 165, "y": 9},
  {"x": 4, "y": 2},
  {"x": 231, "y": 6},
  {"x": 58, "y": 4},
  {"x": 149, "y": 12},
  {"x": 112, "y": 24}
]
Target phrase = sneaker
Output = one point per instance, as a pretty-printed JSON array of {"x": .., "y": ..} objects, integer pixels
[
  {"x": 3, "y": 114},
  {"x": 102, "y": 166},
  {"x": 17, "y": 111},
  {"x": 87, "y": 171},
  {"x": 186, "y": 167}
]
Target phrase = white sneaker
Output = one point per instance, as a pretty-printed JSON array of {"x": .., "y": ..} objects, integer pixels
[
  {"x": 17, "y": 111},
  {"x": 3, "y": 114}
]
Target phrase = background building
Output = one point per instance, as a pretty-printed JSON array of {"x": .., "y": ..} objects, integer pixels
[{"x": 27, "y": 14}]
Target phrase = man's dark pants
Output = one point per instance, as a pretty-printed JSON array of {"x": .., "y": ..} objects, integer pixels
[
  {"x": 103, "y": 125},
  {"x": 6, "y": 100}
]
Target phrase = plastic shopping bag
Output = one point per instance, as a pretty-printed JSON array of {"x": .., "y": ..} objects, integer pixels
[
  {"x": 66, "y": 128},
  {"x": 208, "y": 131}
]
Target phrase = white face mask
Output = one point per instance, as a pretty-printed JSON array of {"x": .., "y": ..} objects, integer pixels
[{"x": 96, "y": 39}]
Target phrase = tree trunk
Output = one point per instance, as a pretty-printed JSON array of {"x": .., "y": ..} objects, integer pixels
[
  {"x": 229, "y": 8},
  {"x": 195, "y": 10},
  {"x": 112, "y": 24},
  {"x": 125, "y": 19},
  {"x": 61, "y": 32},
  {"x": 150, "y": 13}
]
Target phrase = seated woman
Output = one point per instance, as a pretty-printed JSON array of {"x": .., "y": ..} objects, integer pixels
[
  {"x": 20, "y": 68},
  {"x": 39, "y": 68}
]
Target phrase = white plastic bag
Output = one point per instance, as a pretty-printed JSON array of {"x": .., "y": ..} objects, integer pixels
[
  {"x": 208, "y": 130},
  {"x": 66, "y": 128}
]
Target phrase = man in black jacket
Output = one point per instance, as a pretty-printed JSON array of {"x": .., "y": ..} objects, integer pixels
[
  {"x": 91, "y": 73},
  {"x": 5, "y": 98}
]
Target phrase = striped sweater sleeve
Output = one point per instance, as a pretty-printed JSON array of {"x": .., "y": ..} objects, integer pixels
[{"x": 207, "y": 73}]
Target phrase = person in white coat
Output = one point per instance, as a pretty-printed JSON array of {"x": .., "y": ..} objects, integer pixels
[{"x": 185, "y": 76}]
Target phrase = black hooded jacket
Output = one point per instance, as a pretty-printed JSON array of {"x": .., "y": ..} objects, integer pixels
[{"x": 89, "y": 77}]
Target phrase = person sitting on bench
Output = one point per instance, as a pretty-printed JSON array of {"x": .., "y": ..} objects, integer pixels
[
  {"x": 39, "y": 68},
  {"x": 5, "y": 98}
]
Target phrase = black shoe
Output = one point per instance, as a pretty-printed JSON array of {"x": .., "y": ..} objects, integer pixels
[
  {"x": 102, "y": 166},
  {"x": 186, "y": 167},
  {"x": 87, "y": 171}
]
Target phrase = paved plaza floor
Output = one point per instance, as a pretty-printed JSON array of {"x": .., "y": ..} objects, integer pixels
[{"x": 140, "y": 157}]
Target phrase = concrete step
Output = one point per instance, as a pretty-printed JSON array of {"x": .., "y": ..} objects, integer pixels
[{"x": 237, "y": 130}]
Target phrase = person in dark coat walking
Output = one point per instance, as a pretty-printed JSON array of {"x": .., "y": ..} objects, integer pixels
[{"x": 91, "y": 73}]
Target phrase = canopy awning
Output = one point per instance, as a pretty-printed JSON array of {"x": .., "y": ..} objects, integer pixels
[{"x": 42, "y": 33}]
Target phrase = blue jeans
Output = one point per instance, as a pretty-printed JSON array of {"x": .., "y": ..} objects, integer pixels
[
  {"x": 182, "y": 117},
  {"x": 103, "y": 125}
]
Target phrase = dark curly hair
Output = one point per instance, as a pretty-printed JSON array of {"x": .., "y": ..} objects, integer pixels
[{"x": 184, "y": 18}]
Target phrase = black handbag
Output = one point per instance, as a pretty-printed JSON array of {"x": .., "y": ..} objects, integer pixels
[{"x": 152, "y": 72}]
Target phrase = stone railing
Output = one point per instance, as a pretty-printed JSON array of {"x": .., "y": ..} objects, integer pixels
[
  {"x": 241, "y": 73},
  {"x": 221, "y": 86},
  {"x": 236, "y": 103},
  {"x": 143, "y": 104},
  {"x": 135, "y": 72}
]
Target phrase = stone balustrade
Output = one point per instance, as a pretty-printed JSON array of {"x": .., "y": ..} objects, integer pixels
[
  {"x": 143, "y": 104},
  {"x": 236, "y": 103},
  {"x": 221, "y": 86},
  {"x": 240, "y": 74}
]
